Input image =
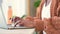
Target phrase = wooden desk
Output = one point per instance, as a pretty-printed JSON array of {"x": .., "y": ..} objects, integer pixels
[{"x": 17, "y": 31}]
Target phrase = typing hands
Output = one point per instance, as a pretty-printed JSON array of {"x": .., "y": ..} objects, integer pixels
[
  {"x": 51, "y": 25},
  {"x": 29, "y": 22}
]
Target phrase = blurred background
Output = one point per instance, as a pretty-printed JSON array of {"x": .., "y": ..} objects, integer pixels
[{"x": 20, "y": 7}]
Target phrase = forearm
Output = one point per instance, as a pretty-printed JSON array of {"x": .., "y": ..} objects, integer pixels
[{"x": 39, "y": 25}]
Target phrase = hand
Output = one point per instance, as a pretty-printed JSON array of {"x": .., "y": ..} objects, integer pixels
[
  {"x": 50, "y": 25},
  {"x": 56, "y": 22},
  {"x": 28, "y": 23}
]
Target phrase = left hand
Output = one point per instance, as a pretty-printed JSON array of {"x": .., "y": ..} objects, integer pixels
[
  {"x": 52, "y": 24},
  {"x": 56, "y": 22}
]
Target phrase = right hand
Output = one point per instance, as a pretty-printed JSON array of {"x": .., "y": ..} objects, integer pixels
[{"x": 28, "y": 21}]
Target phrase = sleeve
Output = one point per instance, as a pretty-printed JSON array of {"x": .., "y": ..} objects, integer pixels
[
  {"x": 54, "y": 6},
  {"x": 38, "y": 13},
  {"x": 58, "y": 10}
]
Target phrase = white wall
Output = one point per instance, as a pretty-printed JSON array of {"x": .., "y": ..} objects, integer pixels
[{"x": 18, "y": 6}]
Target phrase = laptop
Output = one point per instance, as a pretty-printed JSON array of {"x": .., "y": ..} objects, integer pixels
[{"x": 3, "y": 22}]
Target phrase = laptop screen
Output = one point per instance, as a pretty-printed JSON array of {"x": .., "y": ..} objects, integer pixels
[{"x": 3, "y": 23}]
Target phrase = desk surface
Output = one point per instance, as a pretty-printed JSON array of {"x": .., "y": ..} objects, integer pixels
[{"x": 17, "y": 31}]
